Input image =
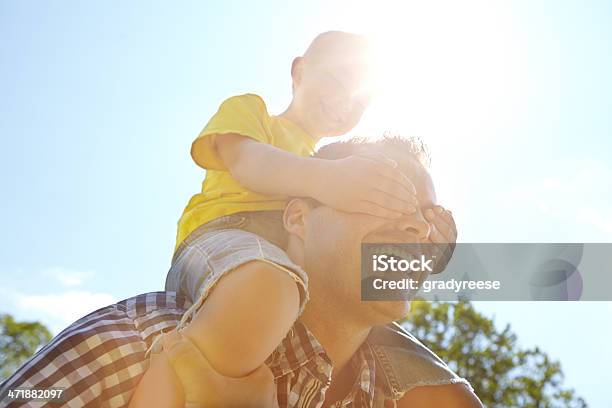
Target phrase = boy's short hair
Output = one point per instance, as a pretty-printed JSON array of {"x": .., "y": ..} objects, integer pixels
[{"x": 335, "y": 42}]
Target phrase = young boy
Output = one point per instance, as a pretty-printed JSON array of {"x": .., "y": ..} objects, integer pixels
[{"x": 234, "y": 230}]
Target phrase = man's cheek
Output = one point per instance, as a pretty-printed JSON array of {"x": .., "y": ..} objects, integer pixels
[{"x": 362, "y": 224}]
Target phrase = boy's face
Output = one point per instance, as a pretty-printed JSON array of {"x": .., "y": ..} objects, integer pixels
[{"x": 332, "y": 93}]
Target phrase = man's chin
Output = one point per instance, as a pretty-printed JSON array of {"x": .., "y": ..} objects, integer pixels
[{"x": 388, "y": 311}]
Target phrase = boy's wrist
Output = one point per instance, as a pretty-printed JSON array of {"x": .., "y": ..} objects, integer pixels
[{"x": 313, "y": 172}]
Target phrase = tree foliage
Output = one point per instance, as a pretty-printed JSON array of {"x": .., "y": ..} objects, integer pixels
[
  {"x": 502, "y": 373},
  {"x": 18, "y": 341}
]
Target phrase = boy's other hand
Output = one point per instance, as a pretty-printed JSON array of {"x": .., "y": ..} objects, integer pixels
[
  {"x": 366, "y": 183},
  {"x": 443, "y": 233},
  {"x": 205, "y": 387}
]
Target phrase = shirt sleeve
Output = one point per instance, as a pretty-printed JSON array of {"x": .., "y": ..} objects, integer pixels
[{"x": 243, "y": 115}]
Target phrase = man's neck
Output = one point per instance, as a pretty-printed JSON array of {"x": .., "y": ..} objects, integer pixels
[{"x": 340, "y": 338}]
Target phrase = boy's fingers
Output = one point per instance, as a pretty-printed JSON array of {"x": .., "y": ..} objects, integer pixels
[
  {"x": 203, "y": 386},
  {"x": 442, "y": 225},
  {"x": 395, "y": 189},
  {"x": 187, "y": 361},
  {"x": 390, "y": 202},
  {"x": 443, "y": 235},
  {"x": 447, "y": 216},
  {"x": 436, "y": 236},
  {"x": 388, "y": 168},
  {"x": 169, "y": 338},
  {"x": 444, "y": 213},
  {"x": 437, "y": 253},
  {"x": 440, "y": 246},
  {"x": 379, "y": 158},
  {"x": 368, "y": 207},
  {"x": 439, "y": 215},
  {"x": 397, "y": 176},
  {"x": 445, "y": 228},
  {"x": 444, "y": 254}
]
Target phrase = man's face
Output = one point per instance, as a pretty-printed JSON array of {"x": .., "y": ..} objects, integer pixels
[
  {"x": 332, "y": 249},
  {"x": 333, "y": 93}
]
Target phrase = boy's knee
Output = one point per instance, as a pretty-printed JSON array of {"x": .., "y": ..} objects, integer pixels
[
  {"x": 260, "y": 279},
  {"x": 256, "y": 298}
]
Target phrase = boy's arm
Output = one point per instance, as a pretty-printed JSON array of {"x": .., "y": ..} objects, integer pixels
[
  {"x": 368, "y": 184},
  {"x": 265, "y": 168}
]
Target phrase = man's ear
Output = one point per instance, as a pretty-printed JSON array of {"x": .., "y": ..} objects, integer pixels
[{"x": 294, "y": 217}]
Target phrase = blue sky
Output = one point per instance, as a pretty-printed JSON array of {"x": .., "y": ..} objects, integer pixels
[{"x": 101, "y": 100}]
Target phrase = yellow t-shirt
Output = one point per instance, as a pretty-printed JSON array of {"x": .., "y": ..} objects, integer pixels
[{"x": 221, "y": 194}]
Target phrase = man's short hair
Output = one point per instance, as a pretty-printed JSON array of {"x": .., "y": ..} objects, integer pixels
[{"x": 411, "y": 146}]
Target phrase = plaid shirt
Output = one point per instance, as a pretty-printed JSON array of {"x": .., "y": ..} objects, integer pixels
[{"x": 100, "y": 359}]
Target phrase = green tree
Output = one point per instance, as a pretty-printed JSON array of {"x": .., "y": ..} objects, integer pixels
[
  {"x": 18, "y": 341},
  {"x": 502, "y": 373}
]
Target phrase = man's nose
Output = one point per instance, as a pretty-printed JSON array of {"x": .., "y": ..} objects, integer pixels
[{"x": 414, "y": 223}]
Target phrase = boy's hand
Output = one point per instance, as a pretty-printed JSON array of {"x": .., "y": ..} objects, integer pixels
[
  {"x": 365, "y": 183},
  {"x": 443, "y": 232},
  {"x": 203, "y": 387}
]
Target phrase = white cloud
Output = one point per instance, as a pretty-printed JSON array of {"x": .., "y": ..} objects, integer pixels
[
  {"x": 67, "y": 277},
  {"x": 596, "y": 217},
  {"x": 53, "y": 296},
  {"x": 581, "y": 194},
  {"x": 63, "y": 308}
]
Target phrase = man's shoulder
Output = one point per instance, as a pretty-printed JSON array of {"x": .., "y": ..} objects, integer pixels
[
  {"x": 108, "y": 344},
  {"x": 394, "y": 335},
  {"x": 447, "y": 395},
  {"x": 405, "y": 362},
  {"x": 146, "y": 303}
]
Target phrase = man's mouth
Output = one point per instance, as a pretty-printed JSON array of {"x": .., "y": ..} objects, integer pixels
[{"x": 398, "y": 252}]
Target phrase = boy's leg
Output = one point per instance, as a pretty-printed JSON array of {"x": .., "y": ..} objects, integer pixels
[
  {"x": 181, "y": 377},
  {"x": 245, "y": 316}
]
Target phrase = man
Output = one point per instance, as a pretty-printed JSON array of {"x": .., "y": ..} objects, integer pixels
[{"x": 341, "y": 352}]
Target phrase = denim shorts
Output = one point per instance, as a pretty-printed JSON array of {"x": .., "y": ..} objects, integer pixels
[{"x": 219, "y": 246}]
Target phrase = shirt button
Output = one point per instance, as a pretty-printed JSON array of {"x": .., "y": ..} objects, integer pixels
[{"x": 323, "y": 368}]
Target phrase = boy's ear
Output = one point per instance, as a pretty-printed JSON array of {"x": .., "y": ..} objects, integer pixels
[
  {"x": 296, "y": 70},
  {"x": 294, "y": 217}
]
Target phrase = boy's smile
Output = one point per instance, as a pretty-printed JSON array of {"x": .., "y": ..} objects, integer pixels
[
  {"x": 334, "y": 118},
  {"x": 330, "y": 85}
]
